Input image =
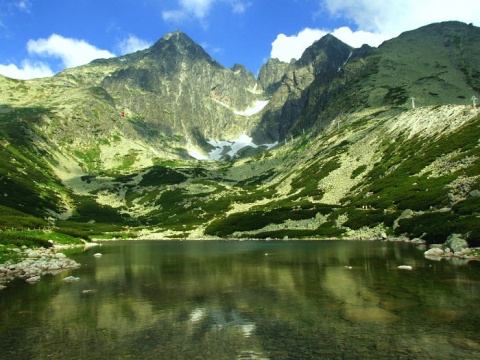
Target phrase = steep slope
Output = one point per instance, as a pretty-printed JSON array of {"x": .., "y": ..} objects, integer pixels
[
  {"x": 356, "y": 160},
  {"x": 433, "y": 65},
  {"x": 175, "y": 89}
]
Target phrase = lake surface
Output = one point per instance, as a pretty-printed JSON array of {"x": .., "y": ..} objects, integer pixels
[{"x": 247, "y": 300}]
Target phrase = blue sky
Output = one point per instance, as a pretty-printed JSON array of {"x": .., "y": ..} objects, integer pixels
[{"x": 39, "y": 38}]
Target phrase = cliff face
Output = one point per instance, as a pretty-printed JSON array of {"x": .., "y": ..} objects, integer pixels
[
  {"x": 117, "y": 141},
  {"x": 176, "y": 87}
]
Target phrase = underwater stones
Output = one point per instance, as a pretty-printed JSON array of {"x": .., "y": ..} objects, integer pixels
[
  {"x": 395, "y": 304},
  {"x": 97, "y": 255},
  {"x": 404, "y": 267},
  {"x": 369, "y": 314},
  {"x": 71, "y": 279}
]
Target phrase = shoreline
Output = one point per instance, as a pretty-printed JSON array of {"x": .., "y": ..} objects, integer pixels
[{"x": 36, "y": 262}]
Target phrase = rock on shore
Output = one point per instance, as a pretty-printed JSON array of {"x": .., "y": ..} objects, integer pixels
[{"x": 36, "y": 262}]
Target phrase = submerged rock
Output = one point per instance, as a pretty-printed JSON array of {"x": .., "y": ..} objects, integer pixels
[{"x": 369, "y": 314}]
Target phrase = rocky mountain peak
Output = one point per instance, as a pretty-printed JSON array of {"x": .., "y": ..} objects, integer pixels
[{"x": 178, "y": 43}]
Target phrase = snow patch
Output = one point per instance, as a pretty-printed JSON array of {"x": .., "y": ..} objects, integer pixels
[
  {"x": 227, "y": 148},
  {"x": 255, "y": 108}
]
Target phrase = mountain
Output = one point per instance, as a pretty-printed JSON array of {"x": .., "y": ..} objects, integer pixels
[{"x": 166, "y": 142}]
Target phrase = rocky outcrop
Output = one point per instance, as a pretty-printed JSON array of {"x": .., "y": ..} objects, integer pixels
[
  {"x": 37, "y": 263},
  {"x": 454, "y": 246},
  {"x": 271, "y": 74}
]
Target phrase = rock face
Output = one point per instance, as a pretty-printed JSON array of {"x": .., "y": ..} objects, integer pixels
[
  {"x": 111, "y": 141},
  {"x": 176, "y": 88},
  {"x": 271, "y": 74}
]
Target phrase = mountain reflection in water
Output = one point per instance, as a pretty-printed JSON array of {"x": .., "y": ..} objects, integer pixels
[{"x": 247, "y": 300}]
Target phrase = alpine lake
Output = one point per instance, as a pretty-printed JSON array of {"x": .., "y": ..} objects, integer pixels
[{"x": 247, "y": 300}]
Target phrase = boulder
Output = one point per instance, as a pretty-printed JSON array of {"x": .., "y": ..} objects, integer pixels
[
  {"x": 33, "y": 279},
  {"x": 418, "y": 241},
  {"x": 474, "y": 193},
  {"x": 33, "y": 254},
  {"x": 434, "y": 252},
  {"x": 456, "y": 243}
]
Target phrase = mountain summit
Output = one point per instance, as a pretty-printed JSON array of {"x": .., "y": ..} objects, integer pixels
[{"x": 343, "y": 142}]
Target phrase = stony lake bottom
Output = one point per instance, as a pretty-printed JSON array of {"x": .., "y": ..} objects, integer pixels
[{"x": 247, "y": 300}]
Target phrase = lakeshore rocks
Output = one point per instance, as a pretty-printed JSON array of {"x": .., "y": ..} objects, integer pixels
[
  {"x": 36, "y": 263},
  {"x": 454, "y": 246},
  {"x": 456, "y": 243}
]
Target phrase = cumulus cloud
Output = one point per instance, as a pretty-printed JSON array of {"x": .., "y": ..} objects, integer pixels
[
  {"x": 200, "y": 9},
  {"x": 27, "y": 70},
  {"x": 376, "y": 21},
  {"x": 286, "y": 48},
  {"x": 196, "y": 8},
  {"x": 132, "y": 44},
  {"x": 393, "y": 17},
  {"x": 72, "y": 52}
]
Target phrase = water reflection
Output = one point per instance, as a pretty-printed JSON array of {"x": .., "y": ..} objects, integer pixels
[{"x": 247, "y": 300}]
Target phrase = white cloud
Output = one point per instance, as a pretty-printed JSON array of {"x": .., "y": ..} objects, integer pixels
[
  {"x": 132, "y": 44},
  {"x": 72, "y": 52},
  {"x": 200, "y": 9},
  {"x": 196, "y": 8},
  {"x": 28, "y": 70},
  {"x": 24, "y": 5},
  {"x": 357, "y": 38},
  {"x": 393, "y": 17},
  {"x": 284, "y": 47},
  {"x": 376, "y": 21}
]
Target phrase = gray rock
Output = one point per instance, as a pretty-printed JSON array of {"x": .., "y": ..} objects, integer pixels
[
  {"x": 434, "y": 252},
  {"x": 418, "y": 241},
  {"x": 474, "y": 193},
  {"x": 33, "y": 254},
  {"x": 33, "y": 279},
  {"x": 456, "y": 243},
  {"x": 404, "y": 215}
]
